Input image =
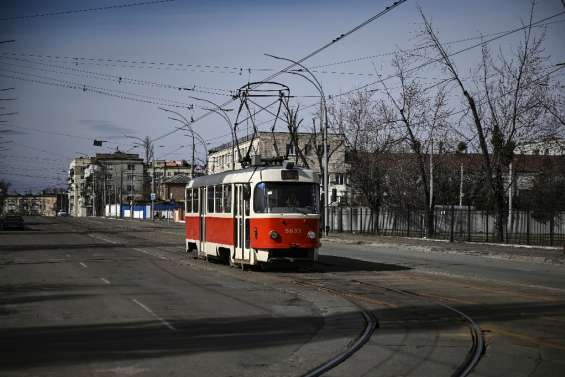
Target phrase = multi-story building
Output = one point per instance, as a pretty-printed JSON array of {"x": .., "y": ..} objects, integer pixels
[
  {"x": 552, "y": 147},
  {"x": 269, "y": 145},
  {"x": 77, "y": 186},
  {"x": 162, "y": 170},
  {"x": 173, "y": 188},
  {"x": 106, "y": 178},
  {"x": 32, "y": 205}
]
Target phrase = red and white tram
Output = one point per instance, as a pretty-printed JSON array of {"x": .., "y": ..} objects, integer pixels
[{"x": 256, "y": 215}]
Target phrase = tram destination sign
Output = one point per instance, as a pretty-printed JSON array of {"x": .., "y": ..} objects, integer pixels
[{"x": 288, "y": 175}]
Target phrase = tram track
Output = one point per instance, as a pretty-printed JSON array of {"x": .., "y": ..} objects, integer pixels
[
  {"x": 472, "y": 357},
  {"x": 478, "y": 344}
]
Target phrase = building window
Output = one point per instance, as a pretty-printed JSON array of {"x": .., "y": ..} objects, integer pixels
[
  {"x": 129, "y": 188},
  {"x": 290, "y": 149},
  {"x": 339, "y": 179},
  {"x": 131, "y": 167}
]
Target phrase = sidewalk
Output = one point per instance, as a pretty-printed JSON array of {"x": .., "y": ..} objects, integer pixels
[{"x": 523, "y": 253}]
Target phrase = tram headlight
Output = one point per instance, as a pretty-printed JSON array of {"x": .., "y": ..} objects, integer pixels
[
  {"x": 274, "y": 234},
  {"x": 311, "y": 234}
]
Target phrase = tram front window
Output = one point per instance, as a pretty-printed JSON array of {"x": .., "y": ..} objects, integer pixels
[{"x": 275, "y": 197}]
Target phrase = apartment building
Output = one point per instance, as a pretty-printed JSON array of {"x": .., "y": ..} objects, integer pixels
[
  {"x": 105, "y": 178},
  {"x": 279, "y": 144}
]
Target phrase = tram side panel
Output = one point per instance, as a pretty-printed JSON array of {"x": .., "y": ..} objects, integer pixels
[
  {"x": 219, "y": 230},
  {"x": 291, "y": 233}
]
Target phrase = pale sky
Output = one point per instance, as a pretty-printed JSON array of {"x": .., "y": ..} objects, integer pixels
[{"x": 65, "y": 69}]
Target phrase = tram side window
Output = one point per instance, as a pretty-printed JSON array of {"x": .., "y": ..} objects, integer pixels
[
  {"x": 248, "y": 200},
  {"x": 188, "y": 201},
  {"x": 195, "y": 200},
  {"x": 219, "y": 203},
  {"x": 227, "y": 198},
  {"x": 210, "y": 199}
]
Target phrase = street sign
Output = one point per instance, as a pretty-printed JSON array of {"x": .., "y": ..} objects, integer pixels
[{"x": 153, "y": 196}]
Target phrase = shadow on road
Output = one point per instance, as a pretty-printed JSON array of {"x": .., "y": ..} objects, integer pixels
[{"x": 329, "y": 263}]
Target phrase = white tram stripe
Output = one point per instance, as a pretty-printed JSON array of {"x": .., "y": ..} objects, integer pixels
[
  {"x": 83, "y": 264},
  {"x": 105, "y": 280},
  {"x": 146, "y": 308}
]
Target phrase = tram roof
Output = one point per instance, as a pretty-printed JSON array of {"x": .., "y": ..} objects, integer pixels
[{"x": 252, "y": 174}]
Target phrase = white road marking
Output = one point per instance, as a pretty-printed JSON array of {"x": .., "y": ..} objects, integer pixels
[
  {"x": 163, "y": 321},
  {"x": 105, "y": 280},
  {"x": 180, "y": 233},
  {"x": 95, "y": 236},
  {"x": 150, "y": 253},
  {"x": 83, "y": 265}
]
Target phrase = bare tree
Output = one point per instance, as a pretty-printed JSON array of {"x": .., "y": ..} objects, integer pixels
[
  {"x": 423, "y": 117},
  {"x": 293, "y": 124},
  {"x": 148, "y": 149},
  {"x": 508, "y": 107},
  {"x": 369, "y": 139}
]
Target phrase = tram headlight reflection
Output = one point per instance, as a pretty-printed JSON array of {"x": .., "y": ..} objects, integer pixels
[{"x": 312, "y": 235}]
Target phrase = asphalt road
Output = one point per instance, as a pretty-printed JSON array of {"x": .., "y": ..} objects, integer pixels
[{"x": 101, "y": 297}]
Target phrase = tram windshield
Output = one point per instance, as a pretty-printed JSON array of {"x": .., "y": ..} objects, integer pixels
[{"x": 286, "y": 197}]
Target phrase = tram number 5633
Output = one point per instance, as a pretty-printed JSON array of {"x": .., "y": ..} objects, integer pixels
[{"x": 292, "y": 230}]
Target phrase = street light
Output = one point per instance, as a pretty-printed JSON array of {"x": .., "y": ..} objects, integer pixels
[
  {"x": 186, "y": 123},
  {"x": 223, "y": 113},
  {"x": 318, "y": 87}
]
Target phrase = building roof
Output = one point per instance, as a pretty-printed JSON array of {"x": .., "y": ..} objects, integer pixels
[
  {"x": 245, "y": 138},
  {"x": 177, "y": 179},
  {"x": 118, "y": 155}
]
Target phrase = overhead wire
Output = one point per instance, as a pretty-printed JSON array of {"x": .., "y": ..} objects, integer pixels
[
  {"x": 308, "y": 56},
  {"x": 91, "y": 89},
  {"x": 438, "y": 59},
  {"x": 75, "y": 11}
]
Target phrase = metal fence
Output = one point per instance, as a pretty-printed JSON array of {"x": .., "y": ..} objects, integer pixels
[{"x": 451, "y": 223}]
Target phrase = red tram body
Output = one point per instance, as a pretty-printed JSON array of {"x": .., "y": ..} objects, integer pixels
[{"x": 255, "y": 215}]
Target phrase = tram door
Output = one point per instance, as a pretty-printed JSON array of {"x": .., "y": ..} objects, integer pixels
[
  {"x": 241, "y": 221},
  {"x": 201, "y": 206}
]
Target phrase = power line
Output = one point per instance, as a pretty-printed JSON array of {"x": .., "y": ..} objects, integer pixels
[
  {"x": 74, "y": 11},
  {"x": 435, "y": 60},
  {"x": 96, "y": 90},
  {"x": 308, "y": 56},
  {"x": 119, "y": 79},
  {"x": 421, "y": 47}
]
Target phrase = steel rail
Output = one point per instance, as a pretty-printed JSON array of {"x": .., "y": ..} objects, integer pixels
[
  {"x": 371, "y": 324},
  {"x": 478, "y": 345}
]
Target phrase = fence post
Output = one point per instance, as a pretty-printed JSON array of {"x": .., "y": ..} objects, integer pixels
[
  {"x": 452, "y": 225},
  {"x": 408, "y": 219},
  {"x": 551, "y": 226},
  {"x": 528, "y": 227},
  {"x": 351, "y": 219},
  {"x": 468, "y": 223},
  {"x": 486, "y": 232}
]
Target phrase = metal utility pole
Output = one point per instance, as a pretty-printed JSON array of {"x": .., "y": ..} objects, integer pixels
[
  {"x": 153, "y": 192},
  {"x": 121, "y": 188},
  {"x": 194, "y": 134},
  {"x": 431, "y": 174},
  {"x": 461, "y": 187},
  {"x": 510, "y": 173},
  {"x": 323, "y": 121},
  {"x": 93, "y": 191},
  {"x": 131, "y": 194},
  {"x": 193, "y": 158}
]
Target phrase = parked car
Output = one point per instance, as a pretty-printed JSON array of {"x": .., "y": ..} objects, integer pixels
[
  {"x": 13, "y": 221},
  {"x": 62, "y": 213}
]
